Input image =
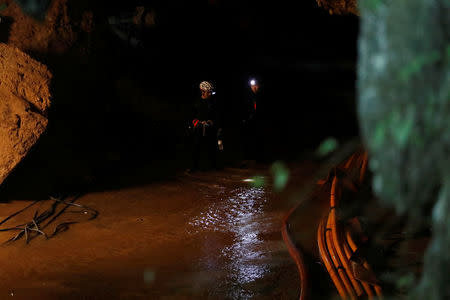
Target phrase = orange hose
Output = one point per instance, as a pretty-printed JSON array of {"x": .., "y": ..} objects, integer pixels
[
  {"x": 338, "y": 245},
  {"x": 363, "y": 167},
  {"x": 347, "y": 250},
  {"x": 333, "y": 192},
  {"x": 341, "y": 253},
  {"x": 297, "y": 256},
  {"x": 378, "y": 291},
  {"x": 324, "y": 254},
  {"x": 349, "y": 161},
  {"x": 350, "y": 241},
  {"x": 338, "y": 265},
  {"x": 353, "y": 246},
  {"x": 366, "y": 286}
]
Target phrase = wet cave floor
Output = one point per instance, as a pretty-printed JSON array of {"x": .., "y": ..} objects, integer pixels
[{"x": 207, "y": 235}]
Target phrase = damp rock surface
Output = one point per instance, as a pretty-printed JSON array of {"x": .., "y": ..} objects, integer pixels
[
  {"x": 24, "y": 100},
  {"x": 403, "y": 107}
]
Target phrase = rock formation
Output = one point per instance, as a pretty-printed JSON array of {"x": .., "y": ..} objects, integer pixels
[
  {"x": 339, "y": 6},
  {"x": 404, "y": 112},
  {"x": 24, "y": 100},
  {"x": 54, "y": 34}
]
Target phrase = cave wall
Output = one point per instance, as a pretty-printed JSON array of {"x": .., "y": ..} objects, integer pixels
[
  {"x": 55, "y": 33},
  {"x": 339, "y": 6},
  {"x": 25, "y": 98},
  {"x": 117, "y": 106}
]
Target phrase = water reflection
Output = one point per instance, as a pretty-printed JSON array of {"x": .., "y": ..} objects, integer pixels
[
  {"x": 241, "y": 214},
  {"x": 239, "y": 207}
]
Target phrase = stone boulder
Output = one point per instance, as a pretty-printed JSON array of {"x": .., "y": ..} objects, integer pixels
[{"x": 24, "y": 100}]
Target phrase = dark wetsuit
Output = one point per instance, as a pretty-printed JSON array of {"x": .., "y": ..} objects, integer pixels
[{"x": 205, "y": 136}]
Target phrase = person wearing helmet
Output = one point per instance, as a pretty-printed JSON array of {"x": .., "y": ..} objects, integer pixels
[
  {"x": 205, "y": 127},
  {"x": 250, "y": 123}
]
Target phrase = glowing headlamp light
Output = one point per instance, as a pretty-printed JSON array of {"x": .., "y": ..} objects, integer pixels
[{"x": 252, "y": 82}]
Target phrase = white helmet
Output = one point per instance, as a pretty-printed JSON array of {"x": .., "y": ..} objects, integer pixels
[{"x": 206, "y": 86}]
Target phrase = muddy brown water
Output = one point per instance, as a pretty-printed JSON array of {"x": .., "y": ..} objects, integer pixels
[{"x": 203, "y": 236}]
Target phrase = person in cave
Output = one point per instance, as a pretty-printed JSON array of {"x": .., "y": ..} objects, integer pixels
[
  {"x": 206, "y": 128},
  {"x": 251, "y": 113}
]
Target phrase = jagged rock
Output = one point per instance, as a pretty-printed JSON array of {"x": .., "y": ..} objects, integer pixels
[
  {"x": 24, "y": 100},
  {"x": 54, "y": 34},
  {"x": 404, "y": 112},
  {"x": 339, "y": 7}
]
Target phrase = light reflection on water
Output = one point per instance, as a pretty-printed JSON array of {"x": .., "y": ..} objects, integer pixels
[
  {"x": 241, "y": 214},
  {"x": 240, "y": 207}
]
